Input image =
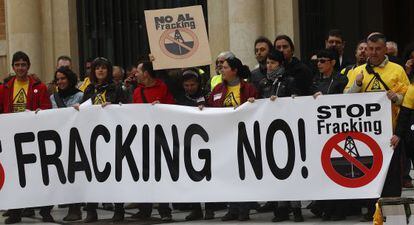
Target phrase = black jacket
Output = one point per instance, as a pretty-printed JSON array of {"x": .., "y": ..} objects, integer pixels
[
  {"x": 302, "y": 75},
  {"x": 283, "y": 86},
  {"x": 114, "y": 93},
  {"x": 195, "y": 100},
  {"x": 404, "y": 130},
  {"x": 257, "y": 75},
  {"x": 345, "y": 62},
  {"x": 332, "y": 85}
]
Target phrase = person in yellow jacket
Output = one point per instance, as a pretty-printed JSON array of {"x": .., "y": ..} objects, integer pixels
[
  {"x": 86, "y": 81},
  {"x": 84, "y": 84},
  {"x": 379, "y": 74}
]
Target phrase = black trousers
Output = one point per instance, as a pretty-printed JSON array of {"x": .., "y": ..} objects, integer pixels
[
  {"x": 146, "y": 209},
  {"x": 237, "y": 208},
  {"x": 18, "y": 212},
  {"x": 90, "y": 207},
  {"x": 209, "y": 206}
]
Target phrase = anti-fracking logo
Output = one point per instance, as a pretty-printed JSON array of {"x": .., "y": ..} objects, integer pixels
[
  {"x": 179, "y": 43},
  {"x": 345, "y": 165},
  {"x": 2, "y": 176}
]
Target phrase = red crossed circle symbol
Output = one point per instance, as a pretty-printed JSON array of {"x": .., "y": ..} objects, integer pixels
[
  {"x": 369, "y": 173},
  {"x": 2, "y": 177}
]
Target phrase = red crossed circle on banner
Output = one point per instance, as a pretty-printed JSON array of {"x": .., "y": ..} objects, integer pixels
[
  {"x": 369, "y": 173},
  {"x": 2, "y": 177}
]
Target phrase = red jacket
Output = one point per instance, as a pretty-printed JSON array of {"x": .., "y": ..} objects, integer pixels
[
  {"x": 37, "y": 96},
  {"x": 218, "y": 95},
  {"x": 158, "y": 92}
]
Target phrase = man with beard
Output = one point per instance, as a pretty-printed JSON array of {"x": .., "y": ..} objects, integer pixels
[
  {"x": 294, "y": 67},
  {"x": 262, "y": 46},
  {"x": 360, "y": 57}
]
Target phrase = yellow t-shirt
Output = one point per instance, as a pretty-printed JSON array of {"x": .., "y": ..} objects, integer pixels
[
  {"x": 100, "y": 98},
  {"x": 232, "y": 96},
  {"x": 20, "y": 89},
  {"x": 409, "y": 97},
  {"x": 393, "y": 76}
]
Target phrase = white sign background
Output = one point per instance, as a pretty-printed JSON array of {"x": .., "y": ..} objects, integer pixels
[{"x": 221, "y": 124}]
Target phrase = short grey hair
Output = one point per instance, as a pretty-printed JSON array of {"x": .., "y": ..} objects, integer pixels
[{"x": 226, "y": 55}]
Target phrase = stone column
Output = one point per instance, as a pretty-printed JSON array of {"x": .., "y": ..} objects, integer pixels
[
  {"x": 246, "y": 24},
  {"x": 60, "y": 33},
  {"x": 235, "y": 24},
  {"x": 24, "y": 31},
  {"x": 287, "y": 21},
  {"x": 218, "y": 28},
  {"x": 45, "y": 30}
]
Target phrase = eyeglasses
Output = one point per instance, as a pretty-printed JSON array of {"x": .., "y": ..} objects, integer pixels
[{"x": 323, "y": 60}]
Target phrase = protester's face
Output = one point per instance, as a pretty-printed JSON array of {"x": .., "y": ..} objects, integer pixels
[
  {"x": 228, "y": 73},
  {"x": 88, "y": 67},
  {"x": 283, "y": 46},
  {"x": 132, "y": 72},
  {"x": 376, "y": 52},
  {"x": 391, "y": 50},
  {"x": 21, "y": 68},
  {"x": 361, "y": 53},
  {"x": 325, "y": 65},
  {"x": 62, "y": 81},
  {"x": 139, "y": 74},
  {"x": 190, "y": 86},
  {"x": 101, "y": 73},
  {"x": 219, "y": 65},
  {"x": 65, "y": 63},
  {"x": 272, "y": 65},
  {"x": 117, "y": 74},
  {"x": 261, "y": 50},
  {"x": 335, "y": 43}
]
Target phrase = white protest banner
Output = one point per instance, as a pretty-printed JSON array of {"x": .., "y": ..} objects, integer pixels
[
  {"x": 178, "y": 37},
  {"x": 289, "y": 149}
]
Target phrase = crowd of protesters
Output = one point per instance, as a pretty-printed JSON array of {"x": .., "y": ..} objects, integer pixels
[{"x": 376, "y": 67}]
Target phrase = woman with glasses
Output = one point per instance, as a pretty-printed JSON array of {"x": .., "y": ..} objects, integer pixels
[{"x": 329, "y": 82}]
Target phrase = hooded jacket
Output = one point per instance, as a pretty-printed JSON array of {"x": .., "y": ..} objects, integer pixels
[{"x": 37, "y": 96}]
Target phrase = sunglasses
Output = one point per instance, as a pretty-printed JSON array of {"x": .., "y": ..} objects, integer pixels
[{"x": 323, "y": 60}]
